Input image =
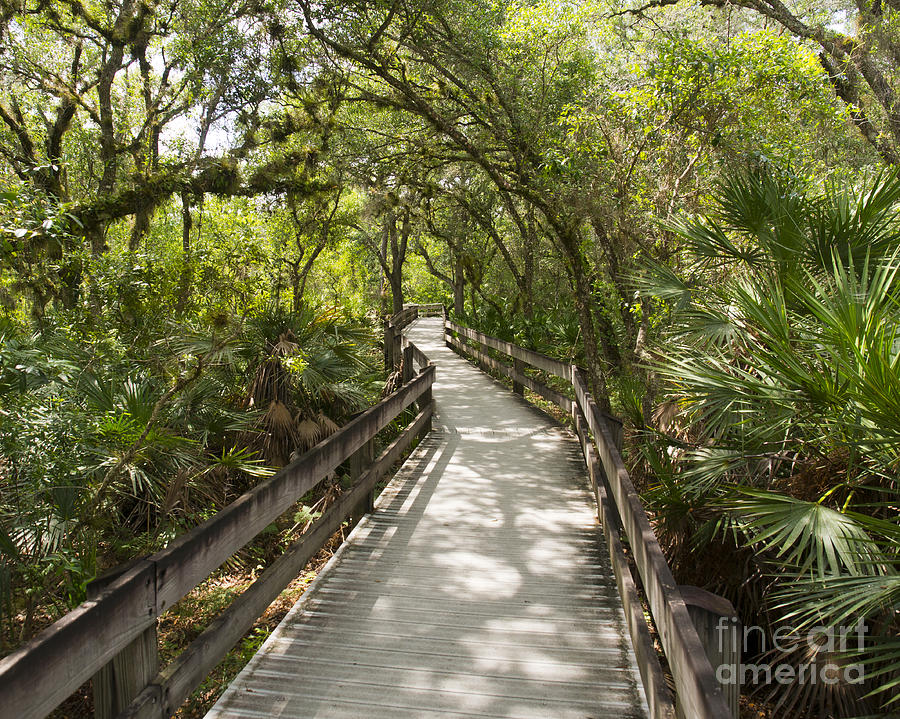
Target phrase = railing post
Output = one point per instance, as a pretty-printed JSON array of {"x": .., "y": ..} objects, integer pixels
[
  {"x": 407, "y": 365},
  {"x": 721, "y": 634},
  {"x": 388, "y": 346},
  {"x": 397, "y": 348},
  {"x": 360, "y": 461},
  {"x": 424, "y": 401},
  {"x": 519, "y": 367},
  {"x": 615, "y": 429},
  {"x": 132, "y": 669},
  {"x": 481, "y": 353}
]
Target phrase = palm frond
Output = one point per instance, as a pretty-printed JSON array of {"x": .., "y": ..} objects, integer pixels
[{"x": 808, "y": 537}]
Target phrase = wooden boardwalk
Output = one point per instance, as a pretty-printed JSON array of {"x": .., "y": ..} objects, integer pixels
[{"x": 479, "y": 587}]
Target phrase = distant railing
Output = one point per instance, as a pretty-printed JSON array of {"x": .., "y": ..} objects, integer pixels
[
  {"x": 435, "y": 309},
  {"x": 698, "y": 694},
  {"x": 394, "y": 326},
  {"x": 112, "y": 636}
]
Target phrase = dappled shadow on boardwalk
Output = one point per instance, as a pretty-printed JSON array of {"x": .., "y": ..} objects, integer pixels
[{"x": 478, "y": 587}]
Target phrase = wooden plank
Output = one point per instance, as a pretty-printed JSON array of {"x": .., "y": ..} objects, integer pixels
[
  {"x": 169, "y": 689},
  {"x": 659, "y": 697},
  {"x": 613, "y": 423},
  {"x": 397, "y": 349},
  {"x": 388, "y": 346},
  {"x": 698, "y": 693},
  {"x": 358, "y": 463},
  {"x": 420, "y": 358},
  {"x": 122, "y": 679},
  {"x": 404, "y": 317},
  {"x": 519, "y": 370},
  {"x": 126, "y": 674},
  {"x": 437, "y": 609},
  {"x": 535, "y": 359},
  {"x": 66, "y": 654},
  {"x": 193, "y": 556},
  {"x": 407, "y": 366}
]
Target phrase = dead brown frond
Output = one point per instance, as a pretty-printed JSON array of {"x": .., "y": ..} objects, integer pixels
[
  {"x": 393, "y": 383},
  {"x": 281, "y": 433},
  {"x": 309, "y": 433},
  {"x": 664, "y": 415},
  {"x": 270, "y": 383},
  {"x": 825, "y": 683},
  {"x": 286, "y": 345},
  {"x": 175, "y": 491},
  {"x": 327, "y": 425},
  {"x": 814, "y": 476}
]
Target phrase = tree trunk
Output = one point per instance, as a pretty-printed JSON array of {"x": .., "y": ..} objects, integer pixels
[
  {"x": 396, "y": 292},
  {"x": 399, "y": 243},
  {"x": 641, "y": 354},
  {"x": 584, "y": 307},
  {"x": 530, "y": 247},
  {"x": 459, "y": 287},
  {"x": 187, "y": 273},
  {"x": 395, "y": 278}
]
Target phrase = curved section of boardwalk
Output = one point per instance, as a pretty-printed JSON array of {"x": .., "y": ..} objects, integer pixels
[{"x": 479, "y": 587}]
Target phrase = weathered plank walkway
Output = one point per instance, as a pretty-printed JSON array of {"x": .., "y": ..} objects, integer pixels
[{"x": 479, "y": 586}]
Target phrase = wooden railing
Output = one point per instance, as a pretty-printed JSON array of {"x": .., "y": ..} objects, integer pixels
[
  {"x": 112, "y": 636},
  {"x": 435, "y": 309},
  {"x": 394, "y": 326},
  {"x": 698, "y": 694}
]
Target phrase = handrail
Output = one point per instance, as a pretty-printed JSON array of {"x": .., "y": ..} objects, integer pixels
[
  {"x": 85, "y": 640},
  {"x": 698, "y": 693},
  {"x": 404, "y": 317}
]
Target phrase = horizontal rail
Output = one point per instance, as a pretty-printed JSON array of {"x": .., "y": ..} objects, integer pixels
[
  {"x": 698, "y": 693},
  {"x": 562, "y": 370},
  {"x": 205, "y": 548},
  {"x": 698, "y": 690},
  {"x": 66, "y": 654},
  {"x": 510, "y": 372},
  {"x": 419, "y": 357},
  {"x": 435, "y": 309},
  {"x": 404, "y": 317},
  {"x": 73, "y": 649}
]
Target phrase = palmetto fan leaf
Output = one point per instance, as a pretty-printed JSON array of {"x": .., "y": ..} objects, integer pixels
[
  {"x": 663, "y": 282},
  {"x": 841, "y": 600},
  {"x": 708, "y": 242},
  {"x": 312, "y": 363},
  {"x": 872, "y": 598},
  {"x": 855, "y": 225},
  {"x": 807, "y": 536},
  {"x": 763, "y": 220},
  {"x": 786, "y": 372}
]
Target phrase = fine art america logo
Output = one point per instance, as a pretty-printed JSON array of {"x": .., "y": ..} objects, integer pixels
[{"x": 815, "y": 653}]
